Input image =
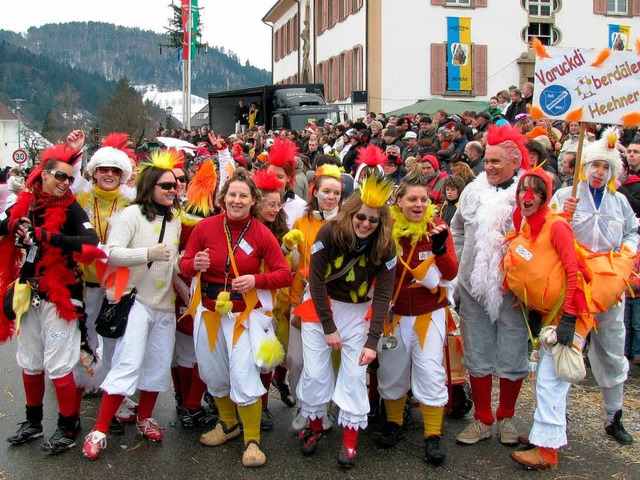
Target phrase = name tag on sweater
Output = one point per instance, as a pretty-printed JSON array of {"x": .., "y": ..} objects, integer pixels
[
  {"x": 245, "y": 247},
  {"x": 423, "y": 255},
  {"x": 524, "y": 253},
  {"x": 316, "y": 247},
  {"x": 391, "y": 263}
]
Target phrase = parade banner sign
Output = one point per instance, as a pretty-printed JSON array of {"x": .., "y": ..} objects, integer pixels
[
  {"x": 619, "y": 37},
  {"x": 567, "y": 84},
  {"x": 459, "y": 54}
]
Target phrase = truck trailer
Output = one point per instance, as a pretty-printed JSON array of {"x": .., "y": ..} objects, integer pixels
[{"x": 280, "y": 106}]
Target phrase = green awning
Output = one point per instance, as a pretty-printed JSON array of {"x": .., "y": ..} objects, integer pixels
[{"x": 434, "y": 104}]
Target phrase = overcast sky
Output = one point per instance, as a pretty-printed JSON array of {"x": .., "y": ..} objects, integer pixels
[{"x": 233, "y": 24}]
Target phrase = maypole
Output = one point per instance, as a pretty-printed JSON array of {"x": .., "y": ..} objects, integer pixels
[{"x": 183, "y": 34}]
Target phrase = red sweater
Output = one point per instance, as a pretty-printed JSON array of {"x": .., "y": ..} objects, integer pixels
[
  {"x": 259, "y": 244},
  {"x": 419, "y": 300}
]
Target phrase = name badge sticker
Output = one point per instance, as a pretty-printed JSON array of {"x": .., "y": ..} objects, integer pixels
[
  {"x": 316, "y": 247},
  {"x": 524, "y": 253},
  {"x": 423, "y": 255},
  {"x": 245, "y": 247},
  {"x": 391, "y": 263}
]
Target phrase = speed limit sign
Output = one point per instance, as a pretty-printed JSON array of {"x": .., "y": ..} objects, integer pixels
[{"x": 20, "y": 156}]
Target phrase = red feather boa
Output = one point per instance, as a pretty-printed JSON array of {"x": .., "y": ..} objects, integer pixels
[{"x": 55, "y": 276}]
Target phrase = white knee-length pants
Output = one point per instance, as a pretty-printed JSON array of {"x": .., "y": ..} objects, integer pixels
[
  {"x": 228, "y": 369},
  {"x": 316, "y": 388},
  {"x": 47, "y": 342},
  {"x": 410, "y": 365},
  {"x": 142, "y": 357}
]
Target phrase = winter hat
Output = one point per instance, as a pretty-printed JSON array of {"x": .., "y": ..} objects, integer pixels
[
  {"x": 113, "y": 153},
  {"x": 459, "y": 157},
  {"x": 15, "y": 184},
  {"x": 603, "y": 150},
  {"x": 410, "y": 134},
  {"x": 432, "y": 159}
]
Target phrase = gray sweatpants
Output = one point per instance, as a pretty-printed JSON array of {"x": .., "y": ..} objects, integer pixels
[{"x": 499, "y": 347}]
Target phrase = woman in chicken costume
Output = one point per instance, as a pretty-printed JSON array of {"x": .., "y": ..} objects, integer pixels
[
  {"x": 417, "y": 325},
  {"x": 552, "y": 274},
  {"x": 349, "y": 253},
  {"x": 230, "y": 290}
]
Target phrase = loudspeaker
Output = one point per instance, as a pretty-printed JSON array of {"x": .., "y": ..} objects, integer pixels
[{"x": 359, "y": 96}]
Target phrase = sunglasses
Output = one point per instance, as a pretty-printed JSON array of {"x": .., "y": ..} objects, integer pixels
[
  {"x": 105, "y": 170},
  {"x": 362, "y": 217},
  {"x": 182, "y": 179},
  {"x": 168, "y": 185},
  {"x": 61, "y": 176}
]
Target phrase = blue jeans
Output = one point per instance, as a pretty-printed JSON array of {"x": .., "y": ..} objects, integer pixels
[{"x": 632, "y": 326}]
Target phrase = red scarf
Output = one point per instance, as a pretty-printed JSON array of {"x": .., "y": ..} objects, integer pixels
[{"x": 55, "y": 276}]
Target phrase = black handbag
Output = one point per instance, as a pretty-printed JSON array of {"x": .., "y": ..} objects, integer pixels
[{"x": 113, "y": 316}]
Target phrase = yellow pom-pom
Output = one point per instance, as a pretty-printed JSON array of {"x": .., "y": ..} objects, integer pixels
[
  {"x": 270, "y": 353},
  {"x": 223, "y": 307},
  {"x": 223, "y": 303}
]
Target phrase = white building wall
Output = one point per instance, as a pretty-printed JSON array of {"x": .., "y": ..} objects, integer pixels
[
  {"x": 409, "y": 27},
  {"x": 8, "y": 142},
  {"x": 588, "y": 30},
  {"x": 288, "y": 65},
  {"x": 406, "y": 72},
  {"x": 343, "y": 36}
]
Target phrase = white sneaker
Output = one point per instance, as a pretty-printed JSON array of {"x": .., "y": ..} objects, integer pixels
[
  {"x": 299, "y": 422},
  {"x": 94, "y": 443}
]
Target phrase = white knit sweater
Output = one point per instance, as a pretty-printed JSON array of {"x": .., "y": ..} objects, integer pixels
[{"x": 128, "y": 242}]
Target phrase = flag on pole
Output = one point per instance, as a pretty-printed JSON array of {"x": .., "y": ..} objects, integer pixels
[{"x": 189, "y": 29}]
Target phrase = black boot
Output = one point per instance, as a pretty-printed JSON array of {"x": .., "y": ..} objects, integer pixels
[
  {"x": 434, "y": 451},
  {"x": 616, "y": 430},
  {"x": 64, "y": 437},
  {"x": 30, "y": 429},
  {"x": 391, "y": 434},
  {"x": 285, "y": 393}
]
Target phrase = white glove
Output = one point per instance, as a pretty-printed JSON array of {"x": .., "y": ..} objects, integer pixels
[{"x": 158, "y": 253}]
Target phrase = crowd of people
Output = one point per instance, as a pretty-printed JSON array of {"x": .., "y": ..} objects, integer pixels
[{"x": 310, "y": 261}]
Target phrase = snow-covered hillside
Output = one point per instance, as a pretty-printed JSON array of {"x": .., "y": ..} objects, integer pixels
[{"x": 173, "y": 99}]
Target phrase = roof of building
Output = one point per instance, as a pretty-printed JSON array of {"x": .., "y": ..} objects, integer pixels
[
  {"x": 435, "y": 104},
  {"x": 278, "y": 10},
  {"x": 6, "y": 113}
]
